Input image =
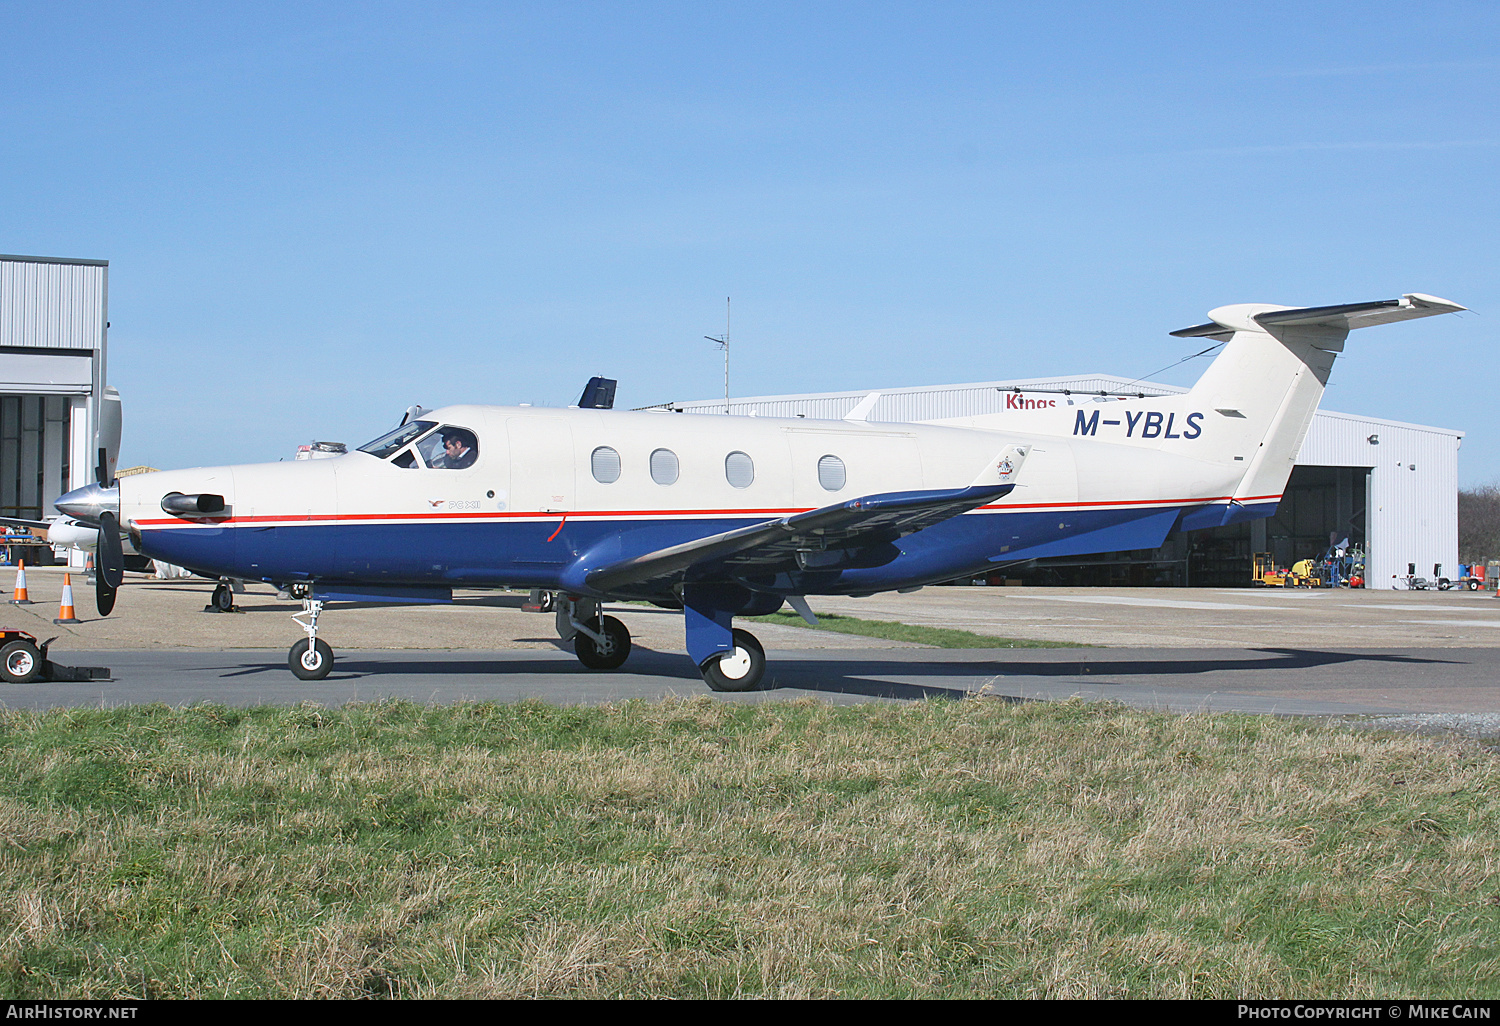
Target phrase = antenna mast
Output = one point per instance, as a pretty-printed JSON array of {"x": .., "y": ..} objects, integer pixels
[{"x": 723, "y": 344}]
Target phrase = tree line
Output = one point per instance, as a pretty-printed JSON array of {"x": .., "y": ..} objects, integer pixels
[{"x": 1479, "y": 524}]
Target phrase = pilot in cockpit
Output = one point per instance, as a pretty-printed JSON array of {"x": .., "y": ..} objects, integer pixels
[{"x": 458, "y": 449}]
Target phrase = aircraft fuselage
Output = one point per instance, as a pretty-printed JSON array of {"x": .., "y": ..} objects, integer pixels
[{"x": 549, "y": 489}]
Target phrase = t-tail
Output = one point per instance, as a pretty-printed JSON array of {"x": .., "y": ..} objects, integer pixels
[{"x": 1259, "y": 395}]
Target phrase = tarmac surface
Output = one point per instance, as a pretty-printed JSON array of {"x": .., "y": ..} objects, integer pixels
[{"x": 1422, "y": 660}]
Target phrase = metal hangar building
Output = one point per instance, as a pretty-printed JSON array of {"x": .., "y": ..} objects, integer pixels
[
  {"x": 1389, "y": 487},
  {"x": 56, "y": 408}
]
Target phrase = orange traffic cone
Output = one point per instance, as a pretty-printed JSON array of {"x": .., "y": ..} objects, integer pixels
[
  {"x": 65, "y": 612},
  {"x": 21, "y": 598},
  {"x": 88, "y": 566}
]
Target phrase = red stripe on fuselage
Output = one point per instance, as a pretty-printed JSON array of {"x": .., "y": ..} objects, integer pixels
[{"x": 645, "y": 513}]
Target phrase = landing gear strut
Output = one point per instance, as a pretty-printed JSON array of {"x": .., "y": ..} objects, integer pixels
[
  {"x": 600, "y": 642},
  {"x": 311, "y": 658},
  {"x": 729, "y": 659}
]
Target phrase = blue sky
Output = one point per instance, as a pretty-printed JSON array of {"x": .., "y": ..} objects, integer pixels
[{"x": 316, "y": 215}]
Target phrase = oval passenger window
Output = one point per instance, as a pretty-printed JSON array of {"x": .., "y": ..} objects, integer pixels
[
  {"x": 664, "y": 467},
  {"x": 605, "y": 463},
  {"x": 739, "y": 469},
  {"x": 831, "y": 473}
]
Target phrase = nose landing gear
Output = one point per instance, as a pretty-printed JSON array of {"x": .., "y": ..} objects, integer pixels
[{"x": 311, "y": 658}]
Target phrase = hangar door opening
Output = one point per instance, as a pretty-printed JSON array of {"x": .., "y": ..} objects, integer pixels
[
  {"x": 1321, "y": 506},
  {"x": 34, "y": 453}
]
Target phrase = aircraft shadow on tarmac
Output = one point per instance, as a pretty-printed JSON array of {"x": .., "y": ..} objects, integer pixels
[{"x": 860, "y": 676}]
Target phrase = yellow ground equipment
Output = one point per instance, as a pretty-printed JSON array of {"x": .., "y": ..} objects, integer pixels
[{"x": 1266, "y": 574}]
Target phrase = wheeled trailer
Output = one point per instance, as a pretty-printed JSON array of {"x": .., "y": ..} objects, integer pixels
[{"x": 23, "y": 659}]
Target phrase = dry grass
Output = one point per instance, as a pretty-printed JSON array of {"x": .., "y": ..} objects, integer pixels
[{"x": 702, "y": 849}]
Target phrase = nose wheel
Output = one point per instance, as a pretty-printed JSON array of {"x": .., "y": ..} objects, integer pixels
[{"x": 310, "y": 658}]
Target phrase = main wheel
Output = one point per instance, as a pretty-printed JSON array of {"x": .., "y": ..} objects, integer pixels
[
  {"x": 738, "y": 670},
  {"x": 609, "y": 656},
  {"x": 20, "y": 662},
  {"x": 310, "y": 660},
  {"x": 223, "y": 599}
]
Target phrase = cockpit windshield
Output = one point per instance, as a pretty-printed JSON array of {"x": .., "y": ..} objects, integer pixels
[{"x": 393, "y": 440}]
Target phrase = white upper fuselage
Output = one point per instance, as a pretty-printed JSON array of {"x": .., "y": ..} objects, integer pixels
[{"x": 540, "y": 463}]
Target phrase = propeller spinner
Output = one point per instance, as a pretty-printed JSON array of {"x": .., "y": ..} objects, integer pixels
[{"x": 99, "y": 504}]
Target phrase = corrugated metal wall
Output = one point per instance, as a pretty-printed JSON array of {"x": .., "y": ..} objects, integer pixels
[
  {"x": 51, "y": 304},
  {"x": 1412, "y": 508},
  {"x": 52, "y": 333}
]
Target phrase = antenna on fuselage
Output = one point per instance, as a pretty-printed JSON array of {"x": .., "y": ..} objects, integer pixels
[{"x": 724, "y": 345}]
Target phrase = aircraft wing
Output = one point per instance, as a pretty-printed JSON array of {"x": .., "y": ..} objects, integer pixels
[
  {"x": 35, "y": 525},
  {"x": 766, "y": 546}
]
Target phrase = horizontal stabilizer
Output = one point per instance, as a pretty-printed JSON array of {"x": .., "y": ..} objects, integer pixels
[{"x": 1229, "y": 319}]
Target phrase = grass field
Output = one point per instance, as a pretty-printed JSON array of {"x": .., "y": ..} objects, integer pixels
[
  {"x": 939, "y": 637},
  {"x": 707, "y": 849}
]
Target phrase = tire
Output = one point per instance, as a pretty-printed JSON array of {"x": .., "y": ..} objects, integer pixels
[
  {"x": 739, "y": 670},
  {"x": 613, "y": 656},
  {"x": 310, "y": 665},
  {"x": 223, "y": 599},
  {"x": 20, "y": 662},
  {"x": 1473, "y": 585}
]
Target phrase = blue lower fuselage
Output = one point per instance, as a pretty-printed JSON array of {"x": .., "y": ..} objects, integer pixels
[{"x": 341, "y": 556}]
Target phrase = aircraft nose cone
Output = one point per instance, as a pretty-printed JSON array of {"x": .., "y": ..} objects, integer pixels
[{"x": 88, "y": 502}]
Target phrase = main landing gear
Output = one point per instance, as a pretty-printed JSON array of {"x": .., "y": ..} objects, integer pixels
[
  {"x": 739, "y": 669},
  {"x": 730, "y": 659},
  {"x": 600, "y": 642},
  {"x": 311, "y": 658}
]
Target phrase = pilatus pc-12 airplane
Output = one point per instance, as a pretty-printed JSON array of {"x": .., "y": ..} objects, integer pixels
[{"x": 733, "y": 516}]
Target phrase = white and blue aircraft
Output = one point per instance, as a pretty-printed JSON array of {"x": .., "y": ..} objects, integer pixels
[{"x": 733, "y": 516}]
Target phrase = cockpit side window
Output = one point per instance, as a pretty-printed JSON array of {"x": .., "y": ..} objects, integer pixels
[
  {"x": 392, "y": 441},
  {"x": 449, "y": 448}
]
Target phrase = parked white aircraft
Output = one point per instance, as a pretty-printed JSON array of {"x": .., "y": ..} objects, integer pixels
[{"x": 732, "y": 516}]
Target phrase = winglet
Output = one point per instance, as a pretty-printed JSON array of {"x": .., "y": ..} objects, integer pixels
[{"x": 1004, "y": 468}]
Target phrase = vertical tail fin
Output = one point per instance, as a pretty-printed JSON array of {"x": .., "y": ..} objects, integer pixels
[{"x": 1264, "y": 388}]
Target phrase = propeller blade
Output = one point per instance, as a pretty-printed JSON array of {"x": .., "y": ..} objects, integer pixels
[
  {"x": 101, "y": 469},
  {"x": 104, "y": 595},
  {"x": 109, "y": 560}
]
